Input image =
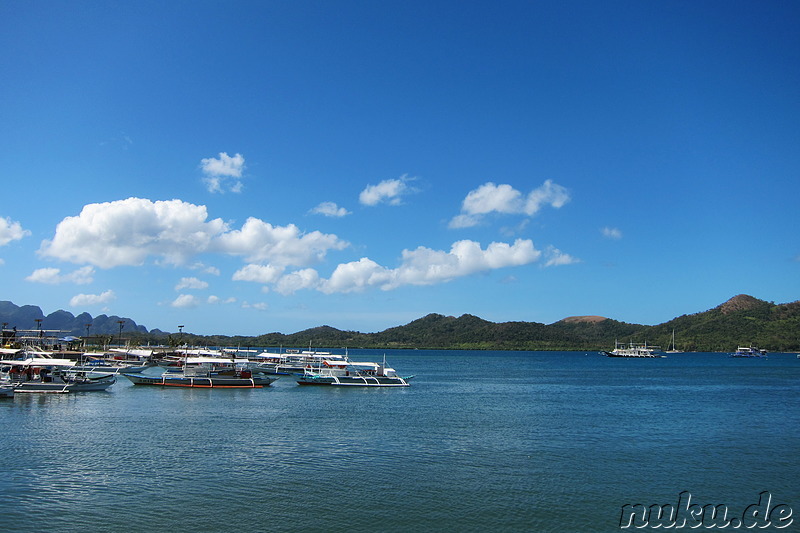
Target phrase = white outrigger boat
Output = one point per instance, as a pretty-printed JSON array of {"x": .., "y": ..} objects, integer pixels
[
  {"x": 45, "y": 375},
  {"x": 346, "y": 373},
  {"x": 293, "y": 361}
]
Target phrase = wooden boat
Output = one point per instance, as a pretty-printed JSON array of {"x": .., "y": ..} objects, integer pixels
[
  {"x": 345, "y": 373},
  {"x": 202, "y": 376},
  {"x": 44, "y": 375}
]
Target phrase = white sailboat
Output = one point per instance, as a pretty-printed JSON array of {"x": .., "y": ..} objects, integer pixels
[{"x": 673, "y": 348}]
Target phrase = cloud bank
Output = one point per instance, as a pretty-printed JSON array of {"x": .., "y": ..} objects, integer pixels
[
  {"x": 422, "y": 266},
  {"x": 129, "y": 232}
]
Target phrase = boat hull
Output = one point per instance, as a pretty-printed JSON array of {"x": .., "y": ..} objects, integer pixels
[
  {"x": 353, "y": 381},
  {"x": 632, "y": 356},
  {"x": 60, "y": 387},
  {"x": 201, "y": 382}
]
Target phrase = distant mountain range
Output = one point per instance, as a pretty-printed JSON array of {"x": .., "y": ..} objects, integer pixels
[
  {"x": 741, "y": 321},
  {"x": 25, "y": 318}
]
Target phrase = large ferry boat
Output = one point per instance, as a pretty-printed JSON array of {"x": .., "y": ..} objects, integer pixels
[{"x": 634, "y": 350}]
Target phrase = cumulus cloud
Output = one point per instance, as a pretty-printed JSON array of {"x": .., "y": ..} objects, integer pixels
[
  {"x": 389, "y": 191},
  {"x": 306, "y": 278},
  {"x": 191, "y": 283},
  {"x": 259, "y": 241},
  {"x": 53, "y": 276},
  {"x": 424, "y": 266},
  {"x": 504, "y": 199},
  {"x": 185, "y": 301},
  {"x": 223, "y": 173},
  {"x": 611, "y": 233},
  {"x": 329, "y": 209},
  {"x": 421, "y": 266},
  {"x": 126, "y": 232},
  {"x": 80, "y": 300},
  {"x": 258, "y": 273},
  {"x": 11, "y": 231}
]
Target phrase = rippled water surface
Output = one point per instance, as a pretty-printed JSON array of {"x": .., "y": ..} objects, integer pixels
[{"x": 500, "y": 441}]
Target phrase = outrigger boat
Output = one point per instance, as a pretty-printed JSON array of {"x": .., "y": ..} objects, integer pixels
[
  {"x": 203, "y": 376},
  {"x": 43, "y": 375},
  {"x": 345, "y": 373}
]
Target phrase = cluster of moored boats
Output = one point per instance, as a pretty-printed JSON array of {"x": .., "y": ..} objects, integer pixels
[
  {"x": 29, "y": 370},
  {"x": 643, "y": 350}
]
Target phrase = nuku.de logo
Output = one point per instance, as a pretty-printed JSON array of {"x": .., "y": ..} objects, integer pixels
[{"x": 690, "y": 515}]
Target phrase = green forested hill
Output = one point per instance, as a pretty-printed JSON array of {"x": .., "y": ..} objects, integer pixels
[{"x": 741, "y": 321}]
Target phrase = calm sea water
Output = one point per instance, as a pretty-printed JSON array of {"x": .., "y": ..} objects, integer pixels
[{"x": 499, "y": 441}]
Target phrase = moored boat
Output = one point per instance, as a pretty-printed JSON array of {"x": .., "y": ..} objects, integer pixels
[
  {"x": 345, "y": 373},
  {"x": 634, "y": 350},
  {"x": 202, "y": 376},
  {"x": 36, "y": 375},
  {"x": 749, "y": 351}
]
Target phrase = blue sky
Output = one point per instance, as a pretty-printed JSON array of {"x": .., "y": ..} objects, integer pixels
[{"x": 250, "y": 167}]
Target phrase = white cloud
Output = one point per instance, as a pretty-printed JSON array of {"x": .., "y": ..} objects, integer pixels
[
  {"x": 261, "y": 306},
  {"x": 214, "y": 271},
  {"x": 504, "y": 199},
  {"x": 80, "y": 300},
  {"x": 388, "y": 191},
  {"x": 556, "y": 257},
  {"x": 127, "y": 232},
  {"x": 217, "y": 300},
  {"x": 425, "y": 266},
  {"x": 223, "y": 173},
  {"x": 191, "y": 283},
  {"x": 260, "y": 241},
  {"x": 53, "y": 276},
  {"x": 185, "y": 301},
  {"x": 329, "y": 209},
  {"x": 258, "y": 273},
  {"x": 357, "y": 276},
  {"x": 300, "y": 279},
  {"x": 611, "y": 233},
  {"x": 11, "y": 231}
]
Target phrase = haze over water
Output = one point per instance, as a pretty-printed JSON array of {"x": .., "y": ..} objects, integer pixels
[{"x": 501, "y": 441}]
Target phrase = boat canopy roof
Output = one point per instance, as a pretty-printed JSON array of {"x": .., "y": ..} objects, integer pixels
[
  {"x": 218, "y": 360},
  {"x": 38, "y": 361}
]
